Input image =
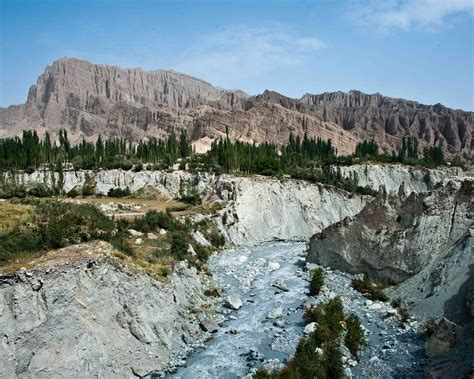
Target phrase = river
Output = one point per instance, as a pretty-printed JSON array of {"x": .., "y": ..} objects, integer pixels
[
  {"x": 247, "y": 337},
  {"x": 248, "y": 273}
]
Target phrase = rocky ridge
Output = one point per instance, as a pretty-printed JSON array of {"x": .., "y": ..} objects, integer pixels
[
  {"x": 396, "y": 236},
  {"x": 91, "y": 99}
]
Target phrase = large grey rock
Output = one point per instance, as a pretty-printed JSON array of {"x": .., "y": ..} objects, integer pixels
[
  {"x": 275, "y": 313},
  {"x": 233, "y": 301},
  {"x": 445, "y": 335},
  {"x": 209, "y": 326}
]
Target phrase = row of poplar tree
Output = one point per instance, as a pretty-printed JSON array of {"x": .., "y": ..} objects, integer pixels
[{"x": 29, "y": 152}]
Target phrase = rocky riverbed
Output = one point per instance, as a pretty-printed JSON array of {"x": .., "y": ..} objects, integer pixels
[{"x": 272, "y": 281}]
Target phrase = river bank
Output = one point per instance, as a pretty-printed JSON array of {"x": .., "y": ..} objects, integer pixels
[{"x": 272, "y": 281}]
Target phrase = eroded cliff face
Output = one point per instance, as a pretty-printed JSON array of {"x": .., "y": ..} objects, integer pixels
[
  {"x": 387, "y": 120},
  {"x": 257, "y": 208},
  {"x": 262, "y": 209},
  {"x": 91, "y": 317},
  {"x": 396, "y": 236},
  {"x": 413, "y": 179}
]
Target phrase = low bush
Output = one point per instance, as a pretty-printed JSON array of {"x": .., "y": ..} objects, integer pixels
[
  {"x": 317, "y": 281},
  {"x": 403, "y": 312},
  {"x": 154, "y": 220},
  {"x": 118, "y": 192},
  {"x": 88, "y": 191},
  {"x": 355, "y": 338},
  {"x": 369, "y": 289},
  {"x": 39, "y": 190},
  {"x": 179, "y": 244},
  {"x": 308, "y": 362},
  {"x": 216, "y": 238},
  {"x": 54, "y": 225},
  {"x": 213, "y": 292},
  {"x": 138, "y": 167},
  {"x": 72, "y": 193}
]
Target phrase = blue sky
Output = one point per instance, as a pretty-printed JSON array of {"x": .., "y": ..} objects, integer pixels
[{"x": 415, "y": 49}]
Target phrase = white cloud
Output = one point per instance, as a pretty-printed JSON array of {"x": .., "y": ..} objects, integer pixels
[
  {"x": 246, "y": 52},
  {"x": 410, "y": 14}
]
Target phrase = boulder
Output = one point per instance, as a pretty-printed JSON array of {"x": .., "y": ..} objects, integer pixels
[
  {"x": 273, "y": 266},
  {"x": 233, "y": 301},
  {"x": 151, "y": 236},
  {"x": 275, "y": 313},
  {"x": 310, "y": 328},
  {"x": 281, "y": 285},
  {"x": 135, "y": 233},
  {"x": 209, "y": 326},
  {"x": 445, "y": 335},
  {"x": 138, "y": 241}
]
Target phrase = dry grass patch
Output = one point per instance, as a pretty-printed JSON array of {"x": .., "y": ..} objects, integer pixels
[{"x": 11, "y": 214}]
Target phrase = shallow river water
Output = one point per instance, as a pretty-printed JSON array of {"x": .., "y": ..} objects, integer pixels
[{"x": 250, "y": 273}]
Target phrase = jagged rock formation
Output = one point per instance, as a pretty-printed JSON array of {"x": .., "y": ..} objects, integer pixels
[
  {"x": 397, "y": 236},
  {"x": 88, "y": 100},
  {"x": 387, "y": 119},
  {"x": 90, "y": 317}
]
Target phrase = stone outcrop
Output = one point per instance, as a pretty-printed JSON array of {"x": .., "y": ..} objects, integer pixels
[
  {"x": 444, "y": 287},
  {"x": 392, "y": 177},
  {"x": 91, "y": 99},
  {"x": 445, "y": 335},
  {"x": 92, "y": 317},
  {"x": 396, "y": 236}
]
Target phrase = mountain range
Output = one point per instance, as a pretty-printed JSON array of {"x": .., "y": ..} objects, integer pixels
[{"x": 89, "y": 100}]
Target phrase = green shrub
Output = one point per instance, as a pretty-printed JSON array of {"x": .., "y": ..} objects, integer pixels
[
  {"x": 54, "y": 225},
  {"x": 306, "y": 362},
  {"x": 213, "y": 292},
  {"x": 317, "y": 281},
  {"x": 403, "y": 312},
  {"x": 88, "y": 191},
  {"x": 202, "y": 252},
  {"x": 72, "y": 193},
  {"x": 39, "y": 190},
  {"x": 355, "y": 338},
  {"x": 216, "y": 238},
  {"x": 263, "y": 373},
  {"x": 153, "y": 220},
  {"x": 369, "y": 289},
  {"x": 189, "y": 194},
  {"x": 118, "y": 192},
  {"x": 138, "y": 167},
  {"x": 333, "y": 360},
  {"x": 179, "y": 244}
]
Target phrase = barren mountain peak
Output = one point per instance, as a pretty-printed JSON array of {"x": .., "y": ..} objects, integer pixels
[{"x": 90, "y": 99}]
